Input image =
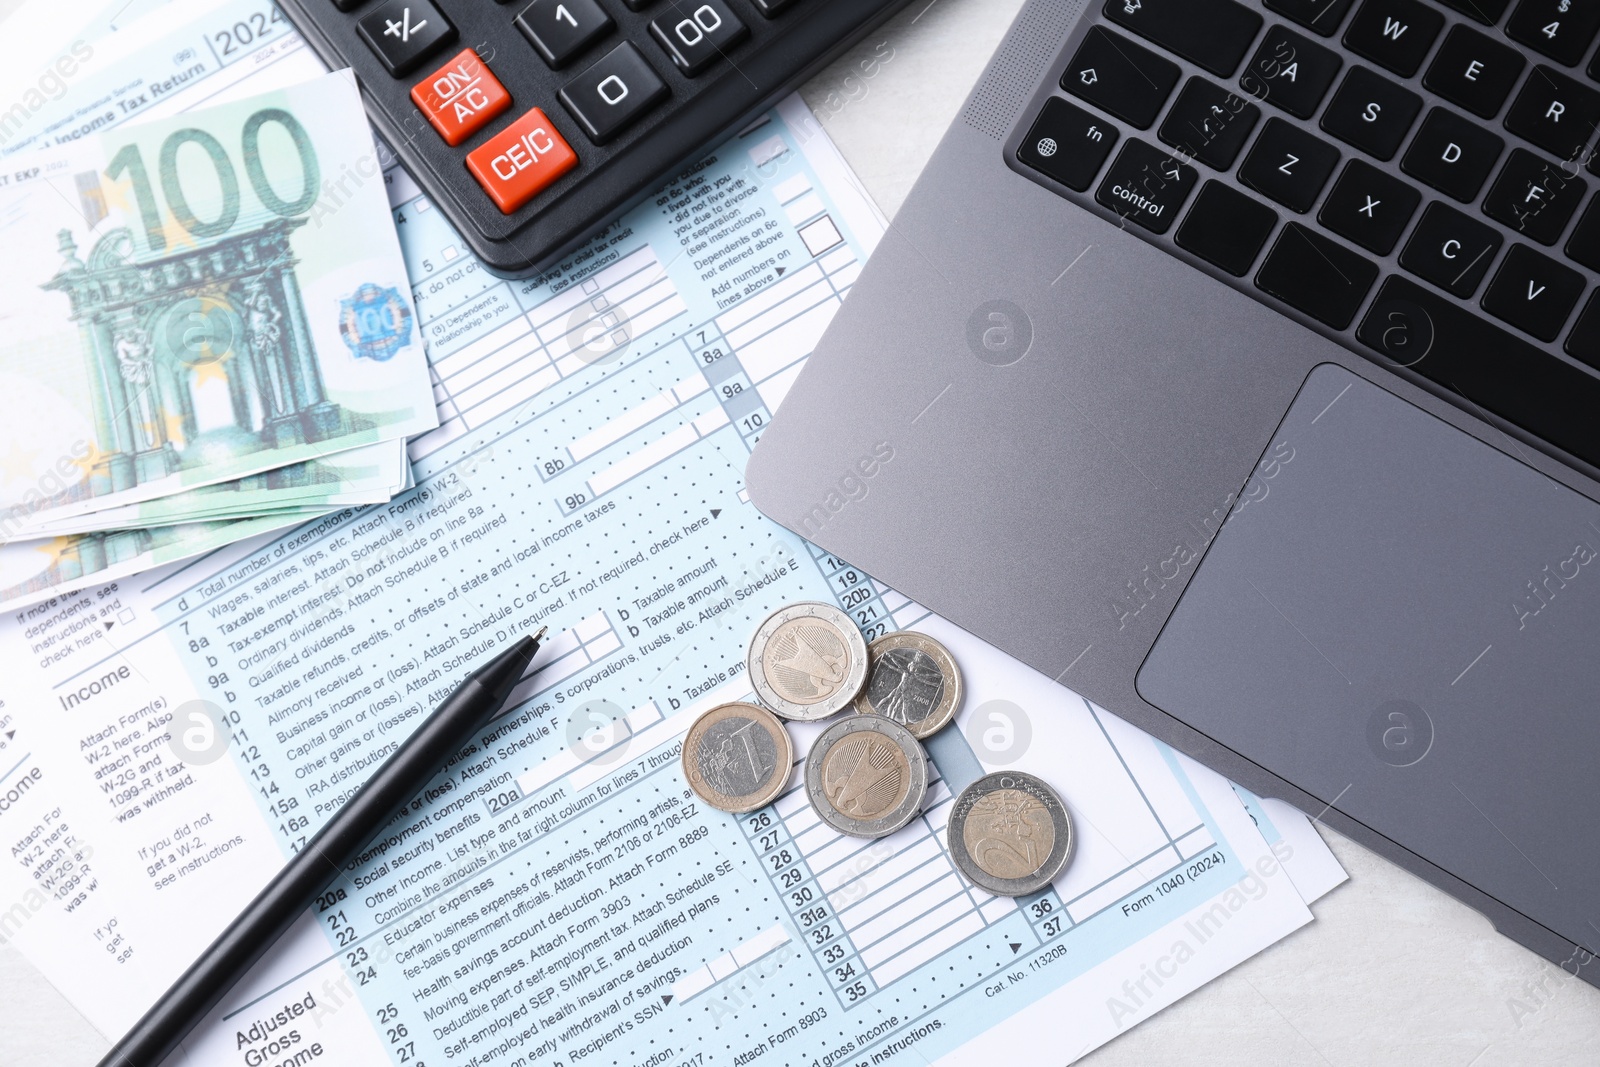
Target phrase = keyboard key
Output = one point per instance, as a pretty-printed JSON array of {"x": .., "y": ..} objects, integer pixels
[
  {"x": 1369, "y": 207},
  {"x": 1487, "y": 12},
  {"x": 768, "y": 8},
  {"x": 1474, "y": 70},
  {"x": 460, "y": 97},
  {"x": 1584, "y": 244},
  {"x": 1291, "y": 72},
  {"x": 1534, "y": 196},
  {"x": 1583, "y": 342},
  {"x": 1226, "y": 228},
  {"x": 1451, "y": 250},
  {"x": 1320, "y": 277},
  {"x": 1147, "y": 186},
  {"x": 1452, "y": 155},
  {"x": 1209, "y": 123},
  {"x": 1289, "y": 165},
  {"x": 1118, "y": 76},
  {"x": 1371, "y": 112},
  {"x": 561, "y": 29},
  {"x": 1319, "y": 16},
  {"x": 1560, "y": 29},
  {"x": 1395, "y": 34},
  {"x": 1067, "y": 144},
  {"x": 1555, "y": 112},
  {"x": 613, "y": 93},
  {"x": 1209, "y": 33},
  {"x": 403, "y": 32},
  {"x": 521, "y": 161},
  {"x": 697, "y": 38},
  {"x": 640, "y": 5},
  {"x": 1533, "y": 292},
  {"x": 1471, "y": 357}
]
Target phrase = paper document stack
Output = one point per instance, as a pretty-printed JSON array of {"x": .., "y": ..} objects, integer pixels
[
  {"x": 557, "y": 894},
  {"x": 206, "y": 332}
]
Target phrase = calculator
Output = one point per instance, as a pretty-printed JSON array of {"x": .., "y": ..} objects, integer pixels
[{"x": 533, "y": 125}]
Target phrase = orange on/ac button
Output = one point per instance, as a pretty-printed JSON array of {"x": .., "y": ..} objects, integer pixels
[
  {"x": 460, "y": 97},
  {"x": 519, "y": 161}
]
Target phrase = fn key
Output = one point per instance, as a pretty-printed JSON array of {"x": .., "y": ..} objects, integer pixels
[{"x": 1067, "y": 144}]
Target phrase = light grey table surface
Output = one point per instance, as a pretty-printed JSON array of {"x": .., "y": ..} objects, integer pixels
[{"x": 1391, "y": 972}]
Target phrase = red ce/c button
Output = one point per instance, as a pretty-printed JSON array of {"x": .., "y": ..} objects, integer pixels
[{"x": 524, "y": 158}]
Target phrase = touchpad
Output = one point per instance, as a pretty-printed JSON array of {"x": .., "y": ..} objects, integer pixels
[{"x": 1405, "y": 622}]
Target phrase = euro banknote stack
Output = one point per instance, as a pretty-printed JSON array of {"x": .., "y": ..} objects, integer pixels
[{"x": 206, "y": 333}]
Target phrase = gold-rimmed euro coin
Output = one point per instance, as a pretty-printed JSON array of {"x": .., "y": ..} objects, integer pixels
[
  {"x": 807, "y": 661},
  {"x": 737, "y": 756},
  {"x": 912, "y": 679}
]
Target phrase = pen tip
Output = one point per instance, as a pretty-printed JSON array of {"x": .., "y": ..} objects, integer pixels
[
  {"x": 542, "y": 631},
  {"x": 503, "y": 672}
]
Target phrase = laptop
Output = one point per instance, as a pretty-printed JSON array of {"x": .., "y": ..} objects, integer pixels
[{"x": 1234, "y": 363}]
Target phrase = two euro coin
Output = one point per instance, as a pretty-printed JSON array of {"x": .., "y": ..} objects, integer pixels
[
  {"x": 807, "y": 661},
  {"x": 1010, "y": 834},
  {"x": 866, "y": 776}
]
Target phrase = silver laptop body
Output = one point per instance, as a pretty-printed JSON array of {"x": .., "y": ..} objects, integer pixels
[{"x": 1292, "y": 548}]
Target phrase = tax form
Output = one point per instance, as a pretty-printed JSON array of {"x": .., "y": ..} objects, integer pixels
[{"x": 556, "y": 895}]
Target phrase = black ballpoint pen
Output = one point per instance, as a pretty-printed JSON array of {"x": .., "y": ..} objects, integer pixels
[{"x": 322, "y": 860}]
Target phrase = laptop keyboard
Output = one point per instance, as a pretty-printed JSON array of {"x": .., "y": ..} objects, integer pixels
[{"x": 1413, "y": 177}]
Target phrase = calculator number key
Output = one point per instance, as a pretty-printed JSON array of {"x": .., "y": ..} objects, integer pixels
[
  {"x": 613, "y": 93},
  {"x": 403, "y": 32},
  {"x": 560, "y": 29},
  {"x": 697, "y": 35}
]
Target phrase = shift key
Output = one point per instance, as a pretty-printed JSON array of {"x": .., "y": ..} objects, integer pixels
[
  {"x": 1120, "y": 77},
  {"x": 1211, "y": 33}
]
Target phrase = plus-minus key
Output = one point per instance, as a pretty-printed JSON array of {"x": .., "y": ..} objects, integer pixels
[{"x": 404, "y": 32}]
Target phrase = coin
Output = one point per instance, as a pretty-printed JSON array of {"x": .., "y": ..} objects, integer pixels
[
  {"x": 866, "y": 776},
  {"x": 912, "y": 679},
  {"x": 737, "y": 757},
  {"x": 1010, "y": 833},
  {"x": 807, "y": 661}
]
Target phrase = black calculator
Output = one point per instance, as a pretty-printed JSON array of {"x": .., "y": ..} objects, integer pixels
[{"x": 533, "y": 125}]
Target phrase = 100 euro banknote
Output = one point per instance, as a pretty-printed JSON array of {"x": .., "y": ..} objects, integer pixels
[{"x": 200, "y": 298}]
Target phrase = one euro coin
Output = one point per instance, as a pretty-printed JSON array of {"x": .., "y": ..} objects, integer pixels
[
  {"x": 736, "y": 757},
  {"x": 912, "y": 679}
]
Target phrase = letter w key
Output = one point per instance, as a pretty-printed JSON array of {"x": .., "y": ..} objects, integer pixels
[{"x": 1395, "y": 34}]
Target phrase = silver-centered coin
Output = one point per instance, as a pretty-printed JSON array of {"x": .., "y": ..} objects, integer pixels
[
  {"x": 912, "y": 679},
  {"x": 1010, "y": 834},
  {"x": 866, "y": 776},
  {"x": 807, "y": 661},
  {"x": 736, "y": 757}
]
